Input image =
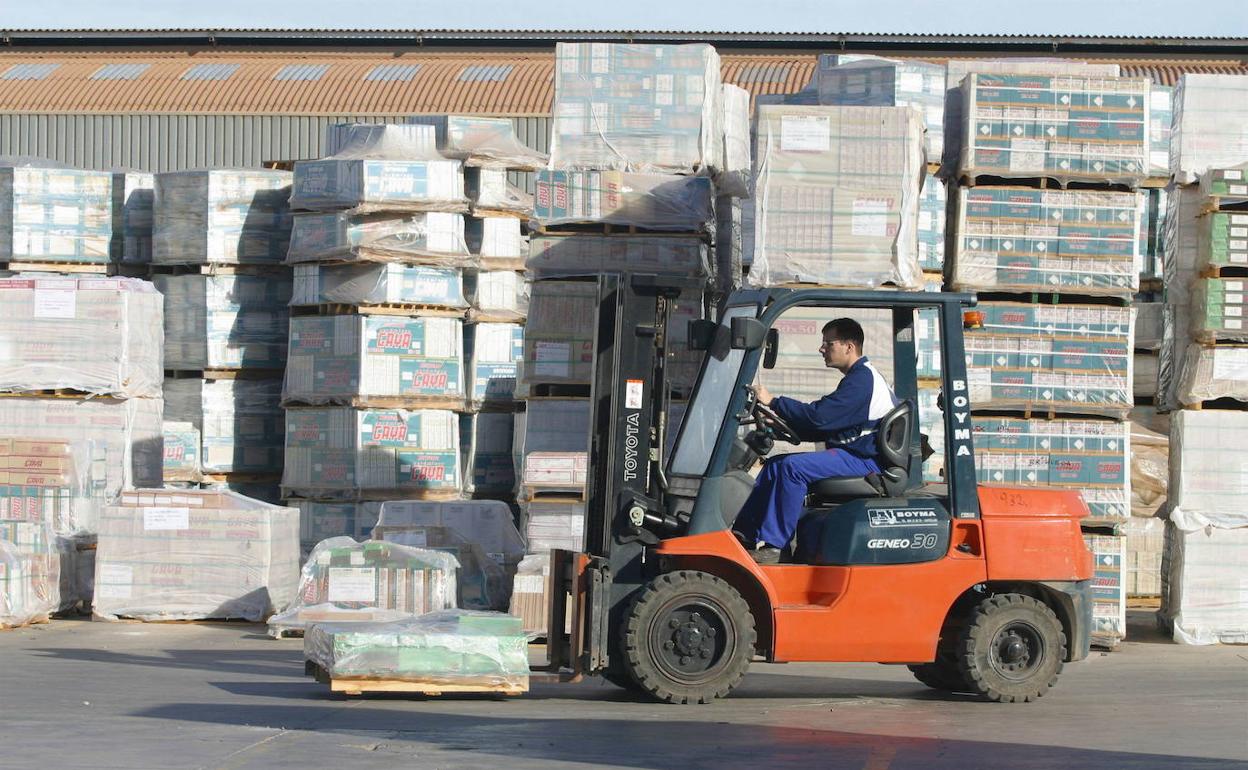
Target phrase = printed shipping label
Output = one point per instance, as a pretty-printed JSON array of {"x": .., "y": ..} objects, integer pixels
[
  {"x": 870, "y": 217},
  {"x": 115, "y": 581},
  {"x": 553, "y": 359},
  {"x": 805, "y": 133},
  {"x": 155, "y": 519},
  {"x": 55, "y": 301},
  {"x": 352, "y": 584}
]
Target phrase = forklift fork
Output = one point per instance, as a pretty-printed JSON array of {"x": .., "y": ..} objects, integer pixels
[{"x": 576, "y": 627}]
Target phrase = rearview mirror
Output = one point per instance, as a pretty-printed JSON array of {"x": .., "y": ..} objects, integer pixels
[
  {"x": 701, "y": 334},
  {"x": 748, "y": 334},
  {"x": 773, "y": 348}
]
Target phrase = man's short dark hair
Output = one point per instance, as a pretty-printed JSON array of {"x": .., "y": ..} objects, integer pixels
[{"x": 846, "y": 330}]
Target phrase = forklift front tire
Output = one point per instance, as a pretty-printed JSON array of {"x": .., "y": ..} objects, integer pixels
[
  {"x": 1011, "y": 649},
  {"x": 688, "y": 637}
]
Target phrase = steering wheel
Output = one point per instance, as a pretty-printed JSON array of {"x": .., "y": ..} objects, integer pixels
[{"x": 766, "y": 418}]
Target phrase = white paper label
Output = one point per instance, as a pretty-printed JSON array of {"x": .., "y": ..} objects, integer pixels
[
  {"x": 352, "y": 584},
  {"x": 1228, "y": 363},
  {"x": 552, "y": 359},
  {"x": 155, "y": 519},
  {"x": 55, "y": 302},
  {"x": 870, "y": 217},
  {"x": 1026, "y": 154},
  {"x": 1233, "y": 174},
  {"x": 632, "y": 394},
  {"x": 805, "y": 133},
  {"x": 115, "y": 581}
]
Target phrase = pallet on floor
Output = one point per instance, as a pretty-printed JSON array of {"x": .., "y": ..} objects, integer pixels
[
  {"x": 362, "y": 685},
  {"x": 220, "y": 268},
  {"x": 401, "y": 309},
  {"x": 1224, "y": 404},
  {"x": 224, "y": 374},
  {"x": 1057, "y": 183},
  {"x": 88, "y": 268}
]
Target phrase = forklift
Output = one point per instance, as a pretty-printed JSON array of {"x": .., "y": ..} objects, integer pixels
[{"x": 980, "y": 590}]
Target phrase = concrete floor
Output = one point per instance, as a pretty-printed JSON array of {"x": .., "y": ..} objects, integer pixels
[{"x": 76, "y": 694}]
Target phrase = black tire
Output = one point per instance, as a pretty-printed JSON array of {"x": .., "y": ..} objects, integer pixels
[
  {"x": 1012, "y": 648},
  {"x": 623, "y": 680},
  {"x": 688, "y": 638},
  {"x": 942, "y": 673}
]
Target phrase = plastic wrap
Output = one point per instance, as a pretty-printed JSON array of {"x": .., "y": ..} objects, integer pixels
[
  {"x": 66, "y": 459},
  {"x": 837, "y": 196},
  {"x": 1152, "y": 240},
  {"x": 182, "y": 451},
  {"x": 729, "y": 265},
  {"x": 932, "y": 213},
  {"x": 1182, "y": 238},
  {"x": 498, "y": 296},
  {"x": 871, "y": 82},
  {"x": 557, "y": 523},
  {"x": 492, "y": 194},
  {"x": 381, "y": 141},
  {"x": 497, "y": 243},
  {"x": 221, "y": 216},
  {"x": 52, "y": 214},
  {"x": 553, "y": 444},
  {"x": 1022, "y": 239},
  {"x": 454, "y": 647},
  {"x": 1149, "y": 325},
  {"x": 378, "y": 285},
  {"x": 343, "y": 580},
  {"x": 1220, "y": 309},
  {"x": 644, "y": 108},
  {"x": 339, "y": 453},
  {"x": 1091, "y": 456},
  {"x": 494, "y": 351},
  {"x": 481, "y": 583},
  {"x": 1061, "y": 358},
  {"x": 363, "y": 185},
  {"x": 1109, "y": 594},
  {"x": 559, "y": 334},
  {"x": 735, "y": 175},
  {"x": 30, "y": 584},
  {"x": 1208, "y": 469},
  {"x": 482, "y": 141},
  {"x": 340, "y": 359},
  {"x": 1204, "y": 596},
  {"x": 241, "y": 422},
  {"x": 134, "y": 194},
  {"x": 1150, "y": 469},
  {"x": 94, "y": 335},
  {"x": 1146, "y": 539},
  {"x": 1160, "y": 121},
  {"x": 1071, "y": 128},
  {"x": 186, "y": 555},
  {"x": 225, "y": 321},
  {"x": 1228, "y": 186},
  {"x": 431, "y": 238},
  {"x": 1222, "y": 240},
  {"x": 486, "y": 440},
  {"x": 1211, "y": 373},
  {"x": 584, "y": 254},
  {"x": 1210, "y": 125},
  {"x": 321, "y": 519},
  {"x": 1145, "y": 368},
  {"x": 653, "y": 201},
  {"x": 485, "y": 522}
]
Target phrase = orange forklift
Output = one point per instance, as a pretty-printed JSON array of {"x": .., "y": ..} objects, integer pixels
[{"x": 981, "y": 590}]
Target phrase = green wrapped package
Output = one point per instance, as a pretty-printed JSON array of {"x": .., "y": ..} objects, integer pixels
[{"x": 459, "y": 647}]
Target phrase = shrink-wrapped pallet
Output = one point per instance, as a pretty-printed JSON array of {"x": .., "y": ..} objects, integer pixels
[
  {"x": 348, "y": 358},
  {"x": 486, "y": 440},
  {"x": 1160, "y": 122},
  {"x": 133, "y": 197},
  {"x": 1109, "y": 594},
  {"x": 1208, "y": 469},
  {"x": 487, "y": 523},
  {"x": 496, "y": 243},
  {"x": 30, "y": 589},
  {"x": 1068, "y": 127},
  {"x": 322, "y": 519},
  {"x": 931, "y": 228},
  {"x": 1220, "y": 309},
  {"x": 87, "y": 452},
  {"x": 1204, "y": 599},
  {"x": 481, "y": 583},
  {"x": 644, "y": 108},
  {"x": 430, "y": 237},
  {"x": 1090, "y": 456},
  {"x": 1146, "y": 539},
  {"x": 530, "y": 594},
  {"x": 493, "y": 195},
  {"x": 343, "y": 580},
  {"x": 240, "y": 421},
  {"x": 494, "y": 352},
  {"x": 221, "y": 216},
  {"x": 871, "y": 82},
  {"x": 94, "y": 335},
  {"x": 482, "y": 141},
  {"x": 459, "y": 648},
  {"x": 559, "y": 333},
  {"x": 340, "y": 453},
  {"x": 1061, "y": 358},
  {"x": 557, "y": 432},
  {"x": 182, "y": 452},
  {"x": 584, "y": 254},
  {"x": 1145, "y": 367},
  {"x": 734, "y": 178},
  {"x": 1149, "y": 325},
  {"x": 1150, "y": 465},
  {"x": 53, "y": 214},
  {"x": 378, "y": 285},
  {"x": 417, "y": 139},
  {"x": 651, "y": 201},
  {"x": 225, "y": 321},
  {"x": 1210, "y": 373},
  {"x": 1210, "y": 124},
  {"x": 837, "y": 196},
  {"x": 497, "y": 296},
  {"x": 187, "y": 555},
  {"x": 1023, "y": 239}
]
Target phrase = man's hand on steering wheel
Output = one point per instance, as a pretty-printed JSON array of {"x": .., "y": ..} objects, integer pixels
[{"x": 765, "y": 417}]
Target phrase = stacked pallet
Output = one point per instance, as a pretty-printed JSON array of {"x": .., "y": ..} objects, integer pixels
[{"x": 53, "y": 218}]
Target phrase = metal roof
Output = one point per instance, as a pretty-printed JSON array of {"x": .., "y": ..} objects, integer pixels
[{"x": 344, "y": 83}]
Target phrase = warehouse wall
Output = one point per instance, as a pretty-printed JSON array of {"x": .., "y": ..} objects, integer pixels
[{"x": 175, "y": 142}]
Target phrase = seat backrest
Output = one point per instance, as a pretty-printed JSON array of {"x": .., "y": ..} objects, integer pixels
[{"x": 893, "y": 436}]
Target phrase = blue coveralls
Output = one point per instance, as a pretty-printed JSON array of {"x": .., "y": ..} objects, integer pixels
[{"x": 846, "y": 420}]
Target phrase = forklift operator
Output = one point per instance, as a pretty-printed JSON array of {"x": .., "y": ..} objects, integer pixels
[{"x": 845, "y": 420}]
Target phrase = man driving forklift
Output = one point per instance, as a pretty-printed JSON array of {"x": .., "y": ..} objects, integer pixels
[{"x": 846, "y": 421}]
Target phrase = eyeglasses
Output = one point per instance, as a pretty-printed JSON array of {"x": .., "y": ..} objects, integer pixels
[{"x": 828, "y": 345}]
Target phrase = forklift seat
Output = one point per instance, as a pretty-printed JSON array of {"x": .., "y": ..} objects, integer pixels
[{"x": 893, "y": 445}]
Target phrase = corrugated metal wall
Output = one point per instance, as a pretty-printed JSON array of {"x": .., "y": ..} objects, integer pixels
[{"x": 175, "y": 142}]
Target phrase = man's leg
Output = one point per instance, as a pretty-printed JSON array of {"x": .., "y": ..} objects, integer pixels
[{"x": 773, "y": 508}]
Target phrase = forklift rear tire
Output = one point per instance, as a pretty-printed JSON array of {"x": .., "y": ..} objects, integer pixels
[
  {"x": 1012, "y": 648},
  {"x": 688, "y": 638}
]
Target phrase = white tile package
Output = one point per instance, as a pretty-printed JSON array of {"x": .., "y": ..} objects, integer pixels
[
  {"x": 1208, "y": 469},
  {"x": 1210, "y": 124},
  {"x": 221, "y": 216},
  {"x": 1204, "y": 595}
]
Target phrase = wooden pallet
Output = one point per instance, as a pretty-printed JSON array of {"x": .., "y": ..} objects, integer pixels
[
  {"x": 240, "y": 478},
  {"x": 558, "y": 390},
  {"x": 224, "y": 374},
  {"x": 501, "y": 264},
  {"x": 1050, "y": 183},
  {"x": 933, "y": 168},
  {"x": 1033, "y": 297},
  {"x": 221, "y": 269},
  {"x": 494, "y": 317},
  {"x": 562, "y": 496},
  {"x": 78, "y": 268},
  {"x": 400, "y": 309},
  {"x": 362, "y": 685},
  {"x": 1221, "y": 404},
  {"x": 609, "y": 228},
  {"x": 1224, "y": 271},
  {"x": 61, "y": 393},
  {"x": 1230, "y": 204},
  {"x": 409, "y": 403},
  {"x": 497, "y": 213}
]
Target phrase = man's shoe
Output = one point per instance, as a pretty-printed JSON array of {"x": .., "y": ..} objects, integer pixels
[
  {"x": 766, "y": 555},
  {"x": 745, "y": 542}
]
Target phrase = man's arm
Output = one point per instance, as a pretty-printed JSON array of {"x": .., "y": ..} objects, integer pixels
[{"x": 846, "y": 406}]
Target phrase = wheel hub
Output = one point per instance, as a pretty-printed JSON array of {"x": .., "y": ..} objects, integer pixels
[
  {"x": 689, "y": 645},
  {"x": 1017, "y": 650}
]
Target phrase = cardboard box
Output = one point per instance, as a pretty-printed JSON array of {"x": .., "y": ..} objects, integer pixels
[
  {"x": 933, "y": 203},
  {"x": 1210, "y": 125},
  {"x": 337, "y": 453},
  {"x": 550, "y": 524},
  {"x": 363, "y": 185},
  {"x": 1220, "y": 309},
  {"x": 241, "y": 422},
  {"x": 498, "y": 295},
  {"x": 652, "y": 201},
  {"x": 871, "y": 82},
  {"x": 530, "y": 594},
  {"x": 182, "y": 451},
  {"x": 134, "y": 195},
  {"x": 378, "y": 285},
  {"x": 1210, "y": 373},
  {"x": 584, "y": 254},
  {"x": 555, "y": 427},
  {"x": 1145, "y": 545},
  {"x": 435, "y": 238},
  {"x": 185, "y": 555},
  {"x": 338, "y": 359},
  {"x": 225, "y": 321},
  {"x": 54, "y": 214},
  {"x": 498, "y": 243},
  {"x": 322, "y": 519},
  {"x": 226, "y": 216},
  {"x": 559, "y": 334},
  {"x": 494, "y": 351},
  {"x": 93, "y": 335},
  {"x": 486, "y": 440}
]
